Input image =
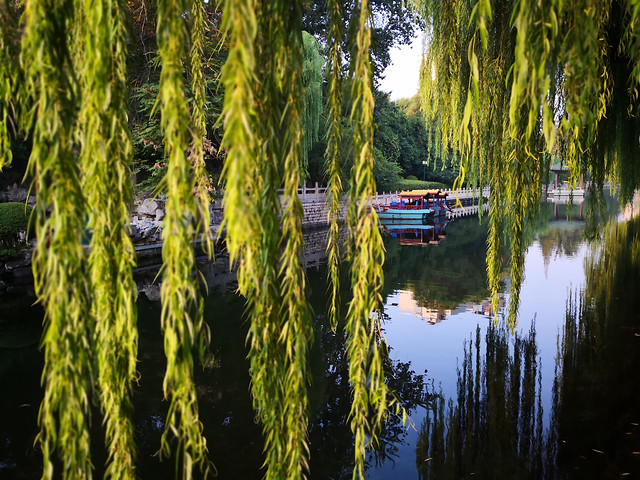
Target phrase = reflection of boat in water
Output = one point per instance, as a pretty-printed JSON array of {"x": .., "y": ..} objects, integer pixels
[
  {"x": 415, "y": 205},
  {"x": 416, "y": 232}
]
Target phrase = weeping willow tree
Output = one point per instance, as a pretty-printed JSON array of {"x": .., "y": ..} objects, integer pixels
[
  {"x": 64, "y": 81},
  {"x": 513, "y": 84},
  {"x": 312, "y": 82},
  {"x": 512, "y": 80}
]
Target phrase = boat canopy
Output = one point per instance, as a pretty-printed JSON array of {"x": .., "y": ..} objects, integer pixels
[{"x": 422, "y": 193}]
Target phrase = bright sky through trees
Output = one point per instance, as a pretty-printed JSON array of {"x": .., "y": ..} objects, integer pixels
[{"x": 402, "y": 77}]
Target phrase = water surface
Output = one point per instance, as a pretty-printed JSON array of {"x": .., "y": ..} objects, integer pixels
[{"x": 557, "y": 398}]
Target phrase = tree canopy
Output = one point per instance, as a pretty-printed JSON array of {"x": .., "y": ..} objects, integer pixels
[{"x": 391, "y": 25}]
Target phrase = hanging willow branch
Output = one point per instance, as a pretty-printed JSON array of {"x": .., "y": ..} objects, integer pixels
[
  {"x": 243, "y": 206},
  {"x": 251, "y": 207},
  {"x": 367, "y": 255},
  {"x": 74, "y": 56},
  {"x": 333, "y": 158},
  {"x": 7, "y": 76},
  {"x": 106, "y": 162},
  {"x": 272, "y": 281},
  {"x": 537, "y": 88},
  {"x": 183, "y": 325},
  {"x": 199, "y": 128},
  {"x": 296, "y": 335},
  {"x": 58, "y": 261}
]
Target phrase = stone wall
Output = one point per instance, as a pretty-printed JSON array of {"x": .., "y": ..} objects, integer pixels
[
  {"x": 315, "y": 213},
  {"x": 147, "y": 217},
  {"x": 148, "y": 213},
  {"x": 220, "y": 273},
  {"x": 15, "y": 193},
  {"x": 146, "y": 220}
]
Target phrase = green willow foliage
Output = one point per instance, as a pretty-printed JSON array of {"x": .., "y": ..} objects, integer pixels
[
  {"x": 513, "y": 84},
  {"x": 59, "y": 261},
  {"x": 64, "y": 78},
  {"x": 263, "y": 119},
  {"x": 333, "y": 157},
  {"x": 366, "y": 255},
  {"x": 105, "y": 160},
  {"x": 198, "y": 126},
  {"x": 7, "y": 77},
  {"x": 182, "y": 322}
]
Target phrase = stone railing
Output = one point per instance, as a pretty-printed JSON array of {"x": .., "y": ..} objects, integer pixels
[{"x": 310, "y": 194}]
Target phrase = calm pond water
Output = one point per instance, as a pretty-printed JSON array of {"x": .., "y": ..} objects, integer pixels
[{"x": 558, "y": 398}]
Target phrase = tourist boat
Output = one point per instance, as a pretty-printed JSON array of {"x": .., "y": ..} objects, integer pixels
[{"x": 415, "y": 205}]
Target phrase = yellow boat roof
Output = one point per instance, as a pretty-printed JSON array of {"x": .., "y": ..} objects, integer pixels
[{"x": 420, "y": 193}]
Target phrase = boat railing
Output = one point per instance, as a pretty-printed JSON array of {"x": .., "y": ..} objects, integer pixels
[{"x": 410, "y": 206}]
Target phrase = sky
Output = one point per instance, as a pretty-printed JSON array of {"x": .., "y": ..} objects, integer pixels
[{"x": 402, "y": 76}]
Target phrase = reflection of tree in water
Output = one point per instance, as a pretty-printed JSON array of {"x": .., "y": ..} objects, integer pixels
[
  {"x": 557, "y": 242},
  {"x": 493, "y": 429},
  {"x": 441, "y": 276},
  {"x": 596, "y": 415},
  {"x": 232, "y": 433},
  {"x": 564, "y": 237},
  {"x": 330, "y": 436}
]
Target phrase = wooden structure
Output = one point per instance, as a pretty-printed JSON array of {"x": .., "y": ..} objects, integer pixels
[{"x": 558, "y": 191}]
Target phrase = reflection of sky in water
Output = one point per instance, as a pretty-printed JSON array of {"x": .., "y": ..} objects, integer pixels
[{"x": 439, "y": 347}]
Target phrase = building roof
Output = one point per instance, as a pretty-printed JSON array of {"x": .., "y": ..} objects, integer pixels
[{"x": 558, "y": 168}]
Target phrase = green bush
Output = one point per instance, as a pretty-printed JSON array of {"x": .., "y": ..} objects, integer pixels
[
  {"x": 14, "y": 218},
  {"x": 411, "y": 177},
  {"x": 407, "y": 184}
]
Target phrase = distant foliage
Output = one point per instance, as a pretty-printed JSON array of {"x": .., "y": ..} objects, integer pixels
[
  {"x": 403, "y": 141},
  {"x": 408, "y": 184},
  {"x": 394, "y": 25},
  {"x": 149, "y": 167},
  {"x": 386, "y": 172}
]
